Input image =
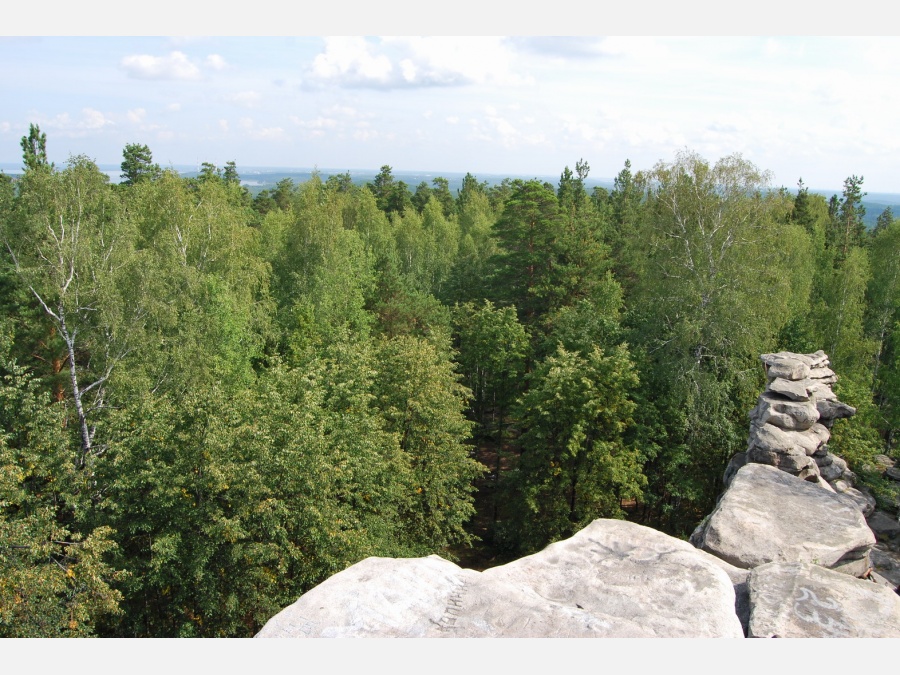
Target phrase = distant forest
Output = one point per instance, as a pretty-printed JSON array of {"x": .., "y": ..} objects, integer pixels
[{"x": 212, "y": 400}]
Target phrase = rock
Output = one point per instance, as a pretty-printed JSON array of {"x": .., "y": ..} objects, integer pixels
[
  {"x": 823, "y": 374},
  {"x": 734, "y": 464},
  {"x": 882, "y": 463},
  {"x": 864, "y": 500},
  {"x": 893, "y": 473},
  {"x": 770, "y": 438},
  {"x": 834, "y": 469},
  {"x": 804, "y": 600},
  {"x": 817, "y": 359},
  {"x": 792, "y": 460},
  {"x": 767, "y": 515},
  {"x": 739, "y": 578},
  {"x": 788, "y": 368},
  {"x": 886, "y": 564},
  {"x": 795, "y": 391},
  {"x": 819, "y": 390},
  {"x": 612, "y": 579},
  {"x": 833, "y": 410},
  {"x": 797, "y": 415},
  {"x": 884, "y": 525},
  {"x": 634, "y": 572}
]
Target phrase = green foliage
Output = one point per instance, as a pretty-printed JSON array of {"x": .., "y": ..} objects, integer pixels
[
  {"x": 493, "y": 347},
  {"x": 423, "y": 402},
  {"x": 201, "y": 284},
  {"x": 34, "y": 150},
  {"x": 721, "y": 272},
  {"x": 71, "y": 245},
  {"x": 137, "y": 164},
  {"x": 229, "y": 400},
  {"x": 526, "y": 263},
  {"x": 55, "y": 578},
  {"x": 575, "y": 464},
  {"x": 229, "y": 506},
  {"x": 848, "y": 228}
]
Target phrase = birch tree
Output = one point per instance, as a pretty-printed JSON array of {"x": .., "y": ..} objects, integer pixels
[{"x": 72, "y": 247}]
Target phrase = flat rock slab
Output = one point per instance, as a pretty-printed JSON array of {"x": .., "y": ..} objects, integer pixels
[
  {"x": 612, "y": 579},
  {"x": 815, "y": 360},
  {"x": 804, "y": 601},
  {"x": 767, "y": 515},
  {"x": 795, "y": 415},
  {"x": 796, "y": 391}
]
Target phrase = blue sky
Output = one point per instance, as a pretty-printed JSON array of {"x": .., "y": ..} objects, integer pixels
[{"x": 818, "y": 108}]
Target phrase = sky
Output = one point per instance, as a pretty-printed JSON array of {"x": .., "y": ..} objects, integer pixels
[{"x": 817, "y": 108}]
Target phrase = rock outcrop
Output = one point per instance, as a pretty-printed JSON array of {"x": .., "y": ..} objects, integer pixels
[
  {"x": 767, "y": 515},
  {"x": 612, "y": 579},
  {"x": 790, "y": 425},
  {"x": 803, "y": 600}
]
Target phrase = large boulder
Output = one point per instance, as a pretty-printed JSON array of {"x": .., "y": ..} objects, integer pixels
[
  {"x": 612, "y": 579},
  {"x": 803, "y": 600},
  {"x": 767, "y": 515}
]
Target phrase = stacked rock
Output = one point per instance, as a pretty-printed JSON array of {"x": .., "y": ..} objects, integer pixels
[{"x": 790, "y": 425}]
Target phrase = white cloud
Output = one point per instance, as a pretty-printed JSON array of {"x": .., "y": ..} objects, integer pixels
[
  {"x": 883, "y": 54},
  {"x": 350, "y": 60},
  {"x": 452, "y": 120},
  {"x": 137, "y": 115},
  {"x": 261, "y": 133},
  {"x": 4, "y": 127},
  {"x": 216, "y": 62},
  {"x": 173, "y": 107},
  {"x": 268, "y": 134},
  {"x": 246, "y": 99},
  {"x": 403, "y": 62},
  {"x": 175, "y": 66},
  {"x": 496, "y": 129},
  {"x": 223, "y": 125},
  {"x": 342, "y": 111},
  {"x": 91, "y": 120},
  {"x": 94, "y": 119},
  {"x": 365, "y": 135},
  {"x": 317, "y": 123}
]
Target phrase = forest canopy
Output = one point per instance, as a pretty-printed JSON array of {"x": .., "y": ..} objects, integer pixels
[{"x": 212, "y": 401}]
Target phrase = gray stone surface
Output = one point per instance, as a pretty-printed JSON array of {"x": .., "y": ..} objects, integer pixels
[
  {"x": 804, "y": 600},
  {"x": 796, "y": 391},
  {"x": 612, "y": 579},
  {"x": 823, "y": 374},
  {"x": 767, "y": 515},
  {"x": 864, "y": 500},
  {"x": 775, "y": 439},
  {"x": 886, "y": 564},
  {"x": 787, "y": 367},
  {"x": 796, "y": 415},
  {"x": 834, "y": 410},
  {"x": 885, "y": 526},
  {"x": 738, "y": 460}
]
